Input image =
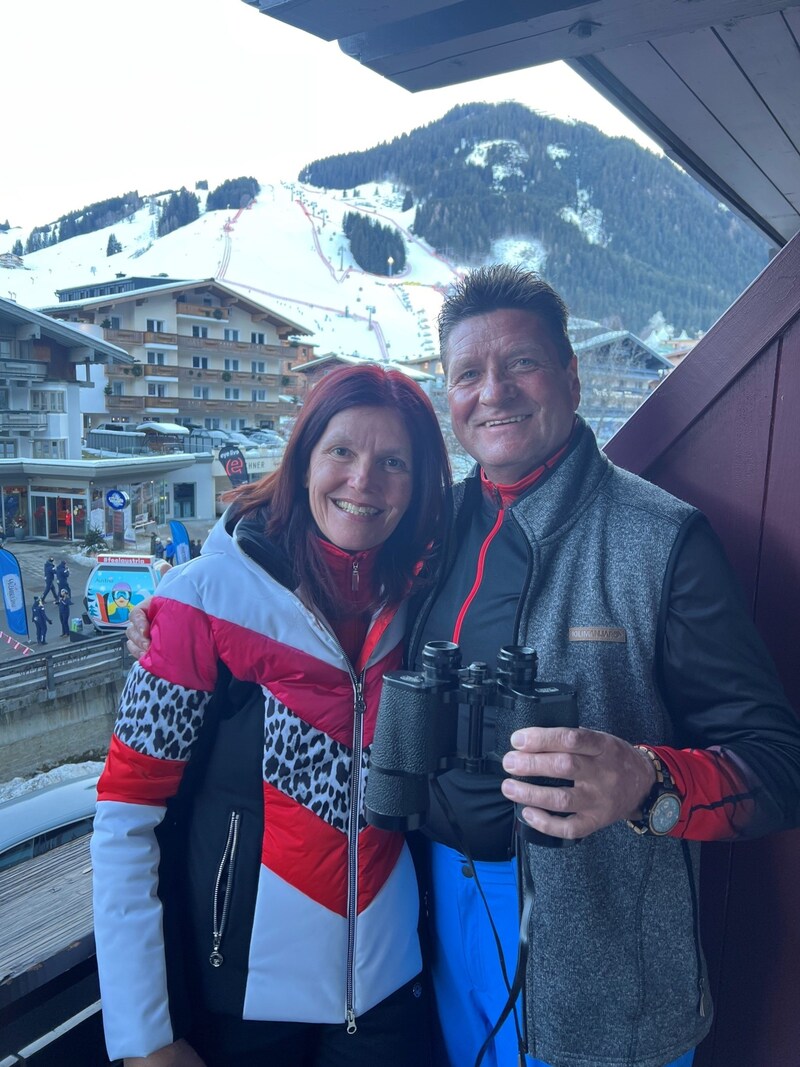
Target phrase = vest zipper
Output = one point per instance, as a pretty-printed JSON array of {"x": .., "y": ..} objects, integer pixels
[
  {"x": 352, "y": 851},
  {"x": 224, "y": 872}
]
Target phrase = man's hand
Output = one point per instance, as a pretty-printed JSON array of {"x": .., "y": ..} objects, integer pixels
[
  {"x": 138, "y": 629},
  {"x": 612, "y": 779},
  {"x": 178, "y": 1054}
]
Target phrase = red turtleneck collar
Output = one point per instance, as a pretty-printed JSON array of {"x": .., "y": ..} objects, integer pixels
[{"x": 354, "y": 576}]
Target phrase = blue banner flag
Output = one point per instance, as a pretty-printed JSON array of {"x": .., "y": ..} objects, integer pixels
[
  {"x": 180, "y": 538},
  {"x": 13, "y": 593}
]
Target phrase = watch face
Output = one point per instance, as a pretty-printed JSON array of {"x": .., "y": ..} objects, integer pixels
[{"x": 665, "y": 813}]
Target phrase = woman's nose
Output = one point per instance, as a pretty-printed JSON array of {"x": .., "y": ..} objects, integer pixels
[{"x": 360, "y": 474}]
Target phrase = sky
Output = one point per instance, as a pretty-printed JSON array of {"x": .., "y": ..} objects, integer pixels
[{"x": 100, "y": 96}]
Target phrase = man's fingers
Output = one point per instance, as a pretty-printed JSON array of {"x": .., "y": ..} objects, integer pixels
[{"x": 557, "y": 739}]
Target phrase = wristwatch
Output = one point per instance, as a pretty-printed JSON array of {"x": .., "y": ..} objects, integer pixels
[{"x": 661, "y": 811}]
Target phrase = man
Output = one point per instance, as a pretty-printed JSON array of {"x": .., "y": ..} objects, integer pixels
[
  {"x": 625, "y": 594},
  {"x": 49, "y": 579},
  {"x": 62, "y": 575},
  {"x": 40, "y": 621}
]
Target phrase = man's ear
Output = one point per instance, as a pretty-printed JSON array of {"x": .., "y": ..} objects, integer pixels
[{"x": 574, "y": 382}]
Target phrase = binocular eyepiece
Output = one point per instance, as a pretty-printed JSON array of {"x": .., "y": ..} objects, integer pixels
[{"x": 416, "y": 735}]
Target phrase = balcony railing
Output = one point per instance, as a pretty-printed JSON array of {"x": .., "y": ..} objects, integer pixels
[
  {"x": 27, "y": 369},
  {"x": 23, "y": 420},
  {"x": 128, "y": 338},
  {"x": 195, "y": 375},
  {"x": 203, "y": 311}
]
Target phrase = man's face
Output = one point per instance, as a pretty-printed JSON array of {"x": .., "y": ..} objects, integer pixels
[{"x": 511, "y": 400}]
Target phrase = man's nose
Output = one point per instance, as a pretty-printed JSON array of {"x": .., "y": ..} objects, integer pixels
[{"x": 497, "y": 386}]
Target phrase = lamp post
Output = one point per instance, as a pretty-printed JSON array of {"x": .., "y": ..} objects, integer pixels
[
  {"x": 371, "y": 310},
  {"x": 341, "y": 256},
  {"x": 390, "y": 262}
]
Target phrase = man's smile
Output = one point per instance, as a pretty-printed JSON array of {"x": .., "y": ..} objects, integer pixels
[{"x": 506, "y": 422}]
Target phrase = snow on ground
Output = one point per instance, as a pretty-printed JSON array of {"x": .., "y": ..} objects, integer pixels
[
  {"x": 18, "y": 787},
  {"x": 287, "y": 251}
]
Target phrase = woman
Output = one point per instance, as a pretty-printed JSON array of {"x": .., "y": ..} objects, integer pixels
[{"x": 296, "y": 917}]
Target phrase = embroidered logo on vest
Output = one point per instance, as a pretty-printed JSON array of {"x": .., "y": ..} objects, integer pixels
[{"x": 615, "y": 634}]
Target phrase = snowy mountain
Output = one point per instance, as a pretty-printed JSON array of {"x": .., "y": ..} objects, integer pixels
[{"x": 286, "y": 250}]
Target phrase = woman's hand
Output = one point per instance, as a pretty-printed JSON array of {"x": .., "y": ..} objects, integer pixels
[
  {"x": 138, "y": 629},
  {"x": 178, "y": 1054}
]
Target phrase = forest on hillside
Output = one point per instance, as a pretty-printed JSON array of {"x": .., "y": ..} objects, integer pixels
[{"x": 626, "y": 232}]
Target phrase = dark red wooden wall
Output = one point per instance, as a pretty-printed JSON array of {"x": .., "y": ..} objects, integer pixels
[{"x": 723, "y": 432}]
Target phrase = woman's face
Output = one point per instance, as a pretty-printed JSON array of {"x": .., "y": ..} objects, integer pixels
[{"x": 360, "y": 477}]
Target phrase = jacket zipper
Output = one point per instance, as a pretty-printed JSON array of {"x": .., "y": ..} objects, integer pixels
[
  {"x": 352, "y": 851},
  {"x": 220, "y": 914},
  {"x": 701, "y": 987}
]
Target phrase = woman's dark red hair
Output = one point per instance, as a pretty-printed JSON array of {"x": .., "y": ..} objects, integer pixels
[{"x": 421, "y": 530}]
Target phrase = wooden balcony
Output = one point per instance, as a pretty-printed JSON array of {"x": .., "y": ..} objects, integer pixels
[
  {"x": 190, "y": 376},
  {"x": 24, "y": 420},
  {"x": 195, "y": 346},
  {"x": 131, "y": 338},
  {"x": 203, "y": 311}
]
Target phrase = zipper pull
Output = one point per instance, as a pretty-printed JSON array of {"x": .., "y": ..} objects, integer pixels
[
  {"x": 216, "y": 959},
  {"x": 350, "y": 1016},
  {"x": 354, "y": 577},
  {"x": 360, "y": 705}
]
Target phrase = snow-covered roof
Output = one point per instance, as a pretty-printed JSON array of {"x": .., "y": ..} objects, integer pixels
[
  {"x": 63, "y": 333},
  {"x": 332, "y": 357},
  {"x": 163, "y": 427}
]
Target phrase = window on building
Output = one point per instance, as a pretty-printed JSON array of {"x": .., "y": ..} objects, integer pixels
[
  {"x": 258, "y": 396},
  {"x": 154, "y": 326},
  {"x": 199, "y": 331},
  {"x": 211, "y": 424},
  {"x": 231, "y": 335},
  {"x": 44, "y": 400},
  {"x": 231, "y": 364},
  {"x": 3, "y": 399},
  {"x": 8, "y": 448},
  {"x": 49, "y": 449},
  {"x": 258, "y": 366},
  {"x": 156, "y": 358},
  {"x": 183, "y": 499},
  {"x": 200, "y": 392},
  {"x": 231, "y": 394},
  {"x": 5, "y": 348},
  {"x": 116, "y": 389},
  {"x": 115, "y": 322},
  {"x": 154, "y": 389},
  {"x": 256, "y": 338},
  {"x": 238, "y": 424},
  {"x": 200, "y": 362}
]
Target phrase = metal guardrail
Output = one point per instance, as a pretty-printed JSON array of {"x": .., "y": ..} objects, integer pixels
[{"x": 63, "y": 669}]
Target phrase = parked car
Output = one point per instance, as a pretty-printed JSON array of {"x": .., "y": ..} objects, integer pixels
[{"x": 36, "y": 822}]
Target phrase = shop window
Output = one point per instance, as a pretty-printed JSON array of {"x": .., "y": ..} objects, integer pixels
[{"x": 183, "y": 500}]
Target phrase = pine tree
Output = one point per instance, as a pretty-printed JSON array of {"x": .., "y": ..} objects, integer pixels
[
  {"x": 113, "y": 245},
  {"x": 17, "y": 249}
]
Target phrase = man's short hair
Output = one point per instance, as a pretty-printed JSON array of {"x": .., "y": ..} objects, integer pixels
[{"x": 502, "y": 286}]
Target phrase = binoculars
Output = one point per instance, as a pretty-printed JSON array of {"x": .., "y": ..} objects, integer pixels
[{"x": 416, "y": 735}]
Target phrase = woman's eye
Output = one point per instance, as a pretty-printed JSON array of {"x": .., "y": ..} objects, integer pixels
[
  {"x": 395, "y": 463},
  {"x": 340, "y": 451}
]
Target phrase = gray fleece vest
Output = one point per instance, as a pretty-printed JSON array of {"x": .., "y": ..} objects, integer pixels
[{"x": 616, "y": 975}]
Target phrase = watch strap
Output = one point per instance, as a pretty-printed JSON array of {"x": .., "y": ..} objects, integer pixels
[{"x": 664, "y": 783}]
